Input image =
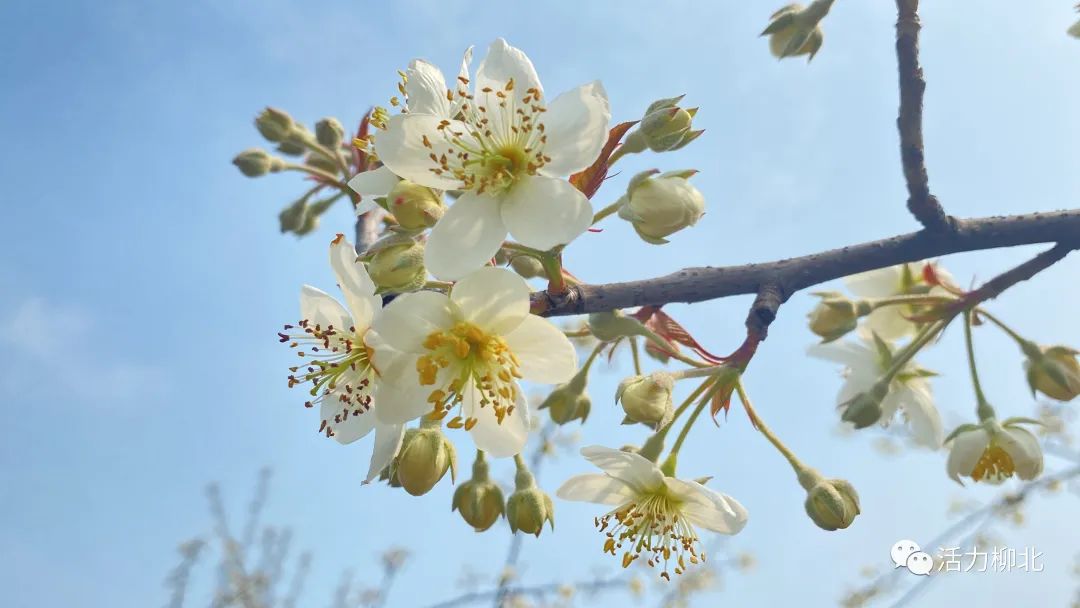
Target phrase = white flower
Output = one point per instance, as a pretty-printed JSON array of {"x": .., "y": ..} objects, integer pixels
[
  {"x": 468, "y": 350},
  {"x": 505, "y": 147},
  {"x": 337, "y": 348},
  {"x": 654, "y": 514},
  {"x": 909, "y": 392},
  {"x": 993, "y": 451},
  {"x": 891, "y": 322}
]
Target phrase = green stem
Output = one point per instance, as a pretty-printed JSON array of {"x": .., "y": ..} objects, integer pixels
[
  {"x": 1030, "y": 348},
  {"x": 876, "y": 303},
  {"x": 690, "y": 399},
  {"x": 606, "y": 211},
  {"x": 804, "y": 473},
  {"x": 329, "y": 177},
  {"x": 925, "y": 335},
  {"x": 669, "y": 464},
  {"x": 984, "y": 410},
  {"x": 636, "y": 355},
  {"x": 698, "y": 372}
]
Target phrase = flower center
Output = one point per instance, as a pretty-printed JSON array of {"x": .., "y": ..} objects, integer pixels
[
  {"x": 338, "y": 366},
  {"x": 473, "y": 360},
  {"x": 498, "y": 138},
  {"x": 995, "y": 465},
  {"x": 653, "y": 525}
]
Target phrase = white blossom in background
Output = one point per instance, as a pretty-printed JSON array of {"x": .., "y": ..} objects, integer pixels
[
  {"x": 505, "y": 147},
  {"x": 466, "y": 351},
  {"x": 993, "y": 452},
  {"x": 337, "y": 348},
  {"x": 654, "y": 514},
  {"x": 891, "y": 322},
  {"x": 909, "y": 392}
]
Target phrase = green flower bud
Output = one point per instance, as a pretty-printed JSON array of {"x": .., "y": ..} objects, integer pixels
[
  {"x": 664, "y": 127},
  {"x": 832, "y": 504},
  {"x": 329, "y": 133},
  {"x": 1054, "y": 371},
  {"x": 256, "y": 162},
  {"x": 608, "y": 326},
  {"x": 647, "y": 399},
  {"x": 660, "y": 205},
  {"x": 414, "y": 207},
  {"x": 527, "y": 510},
  {"x": 836, "y": 315},
  {"x": 794, "y": 30},
  {"x": 479, "y": 500},
  {"x": 527, "y": 267},
  {"x": 425, "y": 457},
  {"x": 293, "y": 217},
  {"x": 864, "y": 409},
  {"x": 321, "y": 162},
  {"x": 292, "y": 148},
  {"x": 568, "y": 402},
  {"x": 1074, "y": 31},
  {"x": 399, "y": 266},
  {"x": 275, "y": 125}
]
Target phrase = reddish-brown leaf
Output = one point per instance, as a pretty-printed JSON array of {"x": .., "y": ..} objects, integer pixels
[{"x": 590, "y": 180}]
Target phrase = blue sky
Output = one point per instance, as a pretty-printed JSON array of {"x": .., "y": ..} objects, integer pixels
[{"x": 143, "y": 278}]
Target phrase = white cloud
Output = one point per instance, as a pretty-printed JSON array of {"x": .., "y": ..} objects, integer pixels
[{"x": 51, "y": 349}]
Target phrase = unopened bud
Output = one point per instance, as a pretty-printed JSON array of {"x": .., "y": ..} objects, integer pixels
[
  {"x": 836, "y": 315},
  {"x": 415, "y": 207},
  {"x": 1054, "y": 371},
  {"x": 321, "y": 162},
  {"x": 399, "y": 267},
  {"x": 528, "y": 509},
  {"x": 612, "y": 325},
  {"x": 425, "y": 457},
  {"x": 794, "y": 30},
  {"x": 275, "y": 125},
  {"x": 330, "y": 133},
  {"x": 1074, "y": 31},
  {"x": 256, "y": 162},
  {"x": 292, "y": 148},
  {"x": 479, "y": 500},
  {"x": 864, "y": 409},
  {"x": 568, "y": 402},
  {"x": 647, "y": 399},
  {"x": 660, "y": 205},
  {"x": 293, "y": 217},
  {"x": 832, "y": 504},
  {"x": 665, "y": 127},
  {"x": 527, "y": 267}
]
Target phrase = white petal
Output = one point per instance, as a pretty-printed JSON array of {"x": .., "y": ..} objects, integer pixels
[
  {"x": 632, "y": 469},
  {"x": 349, "y": 427},
  {"x": 466, "y": 238},
  {"x": 355, "y": 284},
  {"x": 391, "y": 364},
  {"x": 576, "y": 124},
  {"x": 377, "y": 182},
  {"x": 401, "y": 148},
  {"x": 401, "y": 402},
  {"x": 890, "y": 404},
  {"x": 542, "y": 212},
  {"x": 888, "y": 323},
  {"x": 597, "y": 488},
  {"x": 412, "y": 317},
  {"x": 318, "y": 307},
  {"x": 504, "y": 63},
  {"x": 494, "y": 299},
  {"x": 876, "y": 283},
  {"x": 426, "y": 89},
  {"x": 966, "y": 449},
  {"x": 845, "y": 352},
  {"x": 463, "y": 73},
  {"x": 387, "y": 443},
  {"x": 1025, "y": 451},
  {"x": 922, "y": 415},
  {"x": 498, "y": 440},
  {"x": 708, "y": 509},
  {"x": 545, "y": 353}
]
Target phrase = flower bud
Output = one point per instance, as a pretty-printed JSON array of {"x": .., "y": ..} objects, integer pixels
[
  {"x": 256, "y": 162},
  {"x": 399, "y": 266},
  {"x": 426, "y": 454},
  {"x": 568, "y": 402},
  {"x": 666, "y": 126},
  {"x": 832, "y": 504},
  {"x": 415, "y": 207},
  {"x": 292, "y": 148},
  {"x": 608, "y": 326},
  {"x": 836, "y": 315},
  {"x": 1055, "y": 372},
  {"x": 1074, "y": 31},
  {"x": 330, "y": 133},
  {"x": 528, "y": 509},
  {"x": 864, "y": 409},
  {"x": 321, "y": 162},
  {"x": 647, "y": 399},
  {"x": 479, "y": 500},
  {"x": 662, "y": 205},
  {"x": 293, "y": 217},
  {"x": 527, "y": 267},
  {"x": 275, "y": 125},
  {"x": 793, "y": 30}
]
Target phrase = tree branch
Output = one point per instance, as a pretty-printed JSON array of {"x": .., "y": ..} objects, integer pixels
[
  {"x": 923, "y": 205},
  {"x": 793, "y": 274}
]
